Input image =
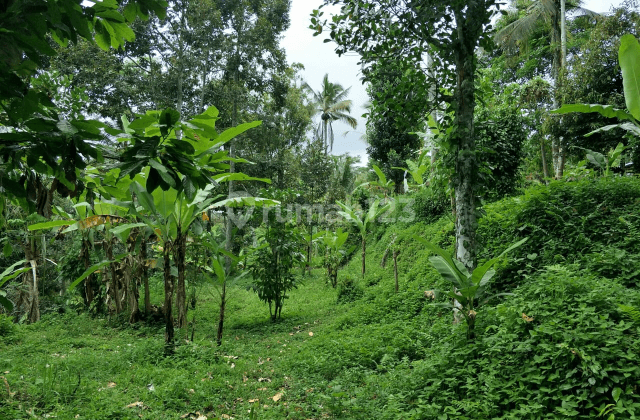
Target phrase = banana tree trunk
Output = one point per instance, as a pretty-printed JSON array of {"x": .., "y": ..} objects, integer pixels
[
  {"x": 168, "y": 299},
  {"x": 180, "y": 248},
  {"x": 30, "y": 297},
  {"x": 144, "y": 274},
  {"x": 223, "y": 303},
  {"x": 114, "y": 275},
  {"x": 364, "y": 253},
  {"x": 88, "y": 293},
  {"x": 131, "y": 282}
]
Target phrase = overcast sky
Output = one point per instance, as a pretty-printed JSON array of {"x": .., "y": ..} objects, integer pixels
[{"x": 319, "y": 59}]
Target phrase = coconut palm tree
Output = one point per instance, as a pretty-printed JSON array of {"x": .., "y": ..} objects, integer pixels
[
  {"x": 518, "y": 32},
  {"x": 332, "y": 104}
]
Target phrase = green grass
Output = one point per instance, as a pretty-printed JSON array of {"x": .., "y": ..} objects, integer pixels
[
  {"x": 71, "y": 364},
  {"x": 560, "y": 348}
]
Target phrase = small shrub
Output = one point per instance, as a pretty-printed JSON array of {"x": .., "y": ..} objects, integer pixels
[
  {"x": 8, "y": 329},
  {"x": 348, "y": 290},
  {"x": 428, "y": 206}
]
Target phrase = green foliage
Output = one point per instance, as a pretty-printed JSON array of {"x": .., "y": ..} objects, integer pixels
[
  {"x": 500, "y": 135},
  {"x": 429, "y": 205},
  {"x": 334, "y": 253},
  {"x": 560, "y": 339},
  {"x": 272, "y": 263},
  {"x": 468, "y": 288},
  {"x": 565, "y": 222},
  {"x": 8, "y": 330},
  {"x": 348, "y": 290}
]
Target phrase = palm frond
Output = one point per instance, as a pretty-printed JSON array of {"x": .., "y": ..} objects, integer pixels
[
  {"x": 341, "y": 106},
  {"x": 518, "y": 31}
]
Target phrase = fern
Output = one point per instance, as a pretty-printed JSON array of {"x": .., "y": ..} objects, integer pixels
[{"x": 631, "y": 312}]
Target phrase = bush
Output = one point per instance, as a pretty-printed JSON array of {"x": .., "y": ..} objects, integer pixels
[
  {"x": 429, "y": 206},
  {"x": 558, "y": 350},
  {"x": 564, "y": 221},
  {"x": 8, "y": 330},
  {"x": 348, "y": 290}
]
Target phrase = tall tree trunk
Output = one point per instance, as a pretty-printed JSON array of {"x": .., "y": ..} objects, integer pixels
[
  {"x": 180, "y": 248},
  {"x": 168, "y": 299},
  {"x": 467, "y": 33},
  {"x": 543, "y": 156},
  {"x": 30, "y": 297},
  {"x": 114, "y": 275},
  {"x": 558, "y": 26},
  {"x": 364, "y": 253},
  {"x": 563, "y": 34},
  {"x": 465, "y": 163},
  {"x": 131, "y": 280},
  {"x": 87, "y": 295}
]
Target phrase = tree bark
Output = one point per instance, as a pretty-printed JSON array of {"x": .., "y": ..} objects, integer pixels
[
  {"x": 168, "y": 298},
  {"x": 131, "y": 281},
  {"x": 87, "y": 294},
  {"x": 31, "y": 298},
  {"x": 144, "y": 271},
  {"x": 180, "y": 250},
  {"x": 114, "y": 275},
  {"x": 465, "y": 163},
  {"x": 543, "y": 156}
]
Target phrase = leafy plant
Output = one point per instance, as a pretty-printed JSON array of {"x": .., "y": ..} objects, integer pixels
[
  {"x": 273, "y": 261},
  {"x": 381, "y": 184},
  {"x": 362, "y": 222},
  {"x": 334, "y": 252},
  {"x": 469, "y": 288},
  {"x": 606, "y": 162},
  {"x": 629, "y": 58},
  {"x": 9, "y": 273}
]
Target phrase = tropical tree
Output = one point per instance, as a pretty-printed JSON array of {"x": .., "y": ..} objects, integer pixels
[
  {"x": 520, "y": 31},
  {"x": 331, "y": 103},
  {"x": 448, "y": 32}
]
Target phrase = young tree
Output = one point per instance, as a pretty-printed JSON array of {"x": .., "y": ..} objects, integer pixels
[
  {"x": 273, "y": 262},
  {"x": 363, "y": 221}
]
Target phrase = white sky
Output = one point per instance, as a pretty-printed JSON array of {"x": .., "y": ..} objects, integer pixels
[{"x": 319, "y": 58}]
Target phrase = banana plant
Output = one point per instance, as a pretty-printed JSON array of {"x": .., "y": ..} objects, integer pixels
[
  {"x": 222, "y": 278},
  {"x": 362, "y": 221},
  {"x": 416, "y": 169},
  {"x": 469, "y": 289},
  {"x": 9, "y": 273},
  {"x": 334, "y": 252},
  {"x": 383, "y": 184},
  {"x": 629, "y": 58},
  {"x": 606, "y": 162}
]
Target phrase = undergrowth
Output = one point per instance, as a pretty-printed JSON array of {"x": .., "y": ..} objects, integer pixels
[{"x": 564, "y": 346}]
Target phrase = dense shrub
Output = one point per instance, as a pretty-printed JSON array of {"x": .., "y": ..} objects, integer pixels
[
  {"x": 559, "y": 350},
  {"x": 348, "y": 290},
  {"x": 428, "y": 206},
  {"x": 564, "y": 222}
]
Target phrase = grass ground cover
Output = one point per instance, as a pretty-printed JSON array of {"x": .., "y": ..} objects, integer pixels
[{"x": 561, "y": 348}]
